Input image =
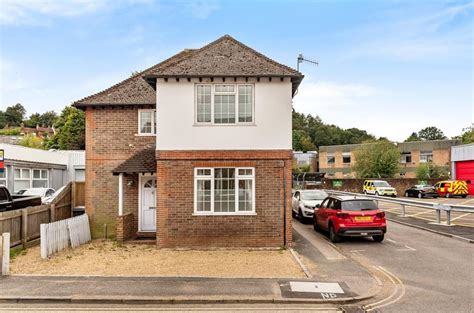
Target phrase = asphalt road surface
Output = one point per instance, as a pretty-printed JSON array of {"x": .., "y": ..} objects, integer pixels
[{"x": 432, "y": 273}]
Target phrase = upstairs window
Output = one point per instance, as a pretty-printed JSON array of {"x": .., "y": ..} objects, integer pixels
[
  {"x": 224, "y": 104},
  {"x": 405, "y": 157},
  {"x": 346, "y": 158},
  {"x": 331, "y": 158},
  {"x": 426, "y": 156},
  {"x": 146, "y": 122}
]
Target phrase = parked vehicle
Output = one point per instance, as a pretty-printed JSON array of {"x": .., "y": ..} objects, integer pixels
[
  {"x": 308, "y": 180},
  {"x": 46, "y": 194},
  {"x": 421, "y": 191},
  {"x": 379, "y": 188},
  {"x": 10, "y": 202},
  {"x": 348, "y": 216},
  {"x": 452, "y": 188},
  {"x": 304, "y": 202}
]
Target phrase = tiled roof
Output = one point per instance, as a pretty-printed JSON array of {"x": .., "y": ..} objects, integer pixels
[
  {"x": 225, "y": 57},
  {"x": 134, "y": 90},
  {"x": 141, "y": 162}
]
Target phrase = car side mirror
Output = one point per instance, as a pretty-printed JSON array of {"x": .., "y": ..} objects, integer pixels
[{"x": 318, "y": 205}]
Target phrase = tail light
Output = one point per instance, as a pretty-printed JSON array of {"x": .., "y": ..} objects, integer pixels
[
  {"x": 380, "y": 214},
  {"x": 342, "y": 215}
]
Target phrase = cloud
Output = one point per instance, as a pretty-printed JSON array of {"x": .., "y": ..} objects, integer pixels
[
  {"x": 201, "y": 9},
  {"x": 19, "y": 12},
  {"x": 439, "y": 32},
  {"x": 327, "y": 95}
]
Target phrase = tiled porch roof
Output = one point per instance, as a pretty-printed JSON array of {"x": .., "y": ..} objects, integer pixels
[{"x": 141, "y": 162}]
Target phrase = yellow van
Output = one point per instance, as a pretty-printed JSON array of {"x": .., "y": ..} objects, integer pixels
[
  {"x": 450, "y": 188},
  {"x": 379, "y": 188}
]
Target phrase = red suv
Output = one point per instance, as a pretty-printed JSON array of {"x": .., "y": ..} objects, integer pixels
[{"x": 349, "y": 216}]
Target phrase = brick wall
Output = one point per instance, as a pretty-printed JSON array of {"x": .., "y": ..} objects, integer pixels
[
  {"x": 356, "y": 185},
  {"x": 126, "y": 227},
  {"x": 110, "y": 139},
  {"x": 178, "y": 227}
]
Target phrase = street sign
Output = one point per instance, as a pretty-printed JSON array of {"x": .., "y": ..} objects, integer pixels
[{"x": 337, "y": 183}]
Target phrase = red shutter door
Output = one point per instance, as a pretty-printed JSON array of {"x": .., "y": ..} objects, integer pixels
[{"x": 465, "y": 171}]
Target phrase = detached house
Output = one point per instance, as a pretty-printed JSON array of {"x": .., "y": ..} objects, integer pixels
[{"x": 194, "y": 151}]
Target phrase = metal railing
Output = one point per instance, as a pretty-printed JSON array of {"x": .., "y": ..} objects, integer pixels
[{"x": 438, "y": 207}]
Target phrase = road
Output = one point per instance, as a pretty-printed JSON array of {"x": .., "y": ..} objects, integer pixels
[{"x": 432, "y": 273}]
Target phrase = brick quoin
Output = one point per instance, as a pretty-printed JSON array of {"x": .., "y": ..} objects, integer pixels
[{"x": 178, "y": 227}]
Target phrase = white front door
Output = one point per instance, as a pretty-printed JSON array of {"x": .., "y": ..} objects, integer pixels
[{"x": 148, "y": 204}]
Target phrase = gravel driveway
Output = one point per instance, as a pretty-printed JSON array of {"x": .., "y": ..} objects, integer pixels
[{"x": 109, "y": 259}]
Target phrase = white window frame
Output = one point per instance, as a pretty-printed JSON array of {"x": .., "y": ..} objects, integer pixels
[
  {"x": 403, "y": 158},
  {"x": 331, "y": 155},
  {"x": 21, "y": 177},
  {"x": 5, "y": 172},
  {"x": 153, "y": 122},
  {"x": 424, "y": 156},
  {"x": 214, "y": 93},
  {"x": 236, "y": 178},
  {"x": 32, "y": 173}
]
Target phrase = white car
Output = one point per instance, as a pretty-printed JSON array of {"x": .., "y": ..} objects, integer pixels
[
  {"x": 46, "y": 194},
  {"x": 304, "y": 203}
]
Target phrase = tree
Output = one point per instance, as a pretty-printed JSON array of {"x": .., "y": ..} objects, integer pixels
[
  {"x": 70, "y": 127},
  {"x": 431, "y": 133},
  {"x": 31, "y": 141},
  {"x": 14, "y": 115},
  {"x": 468, "y": 136},
  {"x": 3, "y": 120},
  {"x": 413, "y": 137},
  {"x": 302, "y": 141},
  {"x": 430, "y": 170},
  {"x": 33, "y": 120},
  {"x": 377, "y": 159}
]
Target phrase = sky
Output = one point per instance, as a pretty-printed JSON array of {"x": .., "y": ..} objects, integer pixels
[{"x": 389, "y": 67}]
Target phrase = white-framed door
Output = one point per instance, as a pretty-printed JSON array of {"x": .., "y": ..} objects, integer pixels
[{"x": 147, "y": 204}]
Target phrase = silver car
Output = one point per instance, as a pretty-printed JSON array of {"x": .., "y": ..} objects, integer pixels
[{"x": 304, "y": 203}]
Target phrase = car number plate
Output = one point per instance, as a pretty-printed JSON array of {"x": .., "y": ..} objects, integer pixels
[{"x": 362, "y": 218}]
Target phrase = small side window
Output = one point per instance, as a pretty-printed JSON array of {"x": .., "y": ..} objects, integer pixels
[{"x": 337, "y": 204}]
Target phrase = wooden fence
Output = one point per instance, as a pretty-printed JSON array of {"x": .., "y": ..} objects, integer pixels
[
  {"x": 24, "y": 224},
  {"x": 79, "y": 194}
]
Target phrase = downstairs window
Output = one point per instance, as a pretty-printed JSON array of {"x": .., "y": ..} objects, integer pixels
[{"x": 224, "y": 191}]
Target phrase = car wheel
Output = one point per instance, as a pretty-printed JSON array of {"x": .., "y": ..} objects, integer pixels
[
  {"x": 378, "y": 238},
  {"x": 301, "y": 216},
  {"x": 420, "y": 195},
  {"x": 315, "y": 224},
  {"x": 407, "y": 194},
  {"x": 464, "y": 196},
  {"x": 293, "y": 214},
  {"x": 332, "y": 234}
]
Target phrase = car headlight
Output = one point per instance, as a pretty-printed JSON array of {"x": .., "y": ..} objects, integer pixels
[{"x": 307, "y": 207}]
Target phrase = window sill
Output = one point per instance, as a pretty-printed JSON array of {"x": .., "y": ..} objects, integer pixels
[
  {"x": 145, "y": 135},
  {"x": 224, "y": 125},
  {"x": 225, "y": 214}
]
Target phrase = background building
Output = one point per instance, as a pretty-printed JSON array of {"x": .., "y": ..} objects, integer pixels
[
  {"x": 32, "y": 168},
  {"x": 304, "y": 159},
  {"x": 337, "y": 161}
]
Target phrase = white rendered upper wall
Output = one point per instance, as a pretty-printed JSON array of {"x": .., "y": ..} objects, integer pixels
[{"x": 177, "y": 129}]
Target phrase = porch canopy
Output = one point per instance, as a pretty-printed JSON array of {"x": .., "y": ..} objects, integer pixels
[{"x": 141, "y": 162}]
